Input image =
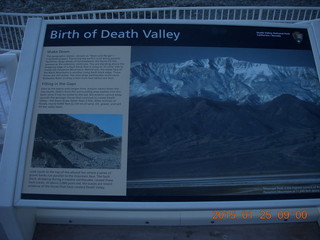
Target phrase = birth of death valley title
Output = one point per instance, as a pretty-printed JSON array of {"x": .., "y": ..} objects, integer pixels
[{"x": 105, "y": 34}]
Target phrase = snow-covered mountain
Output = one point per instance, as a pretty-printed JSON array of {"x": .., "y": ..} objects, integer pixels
[
  {"x": 222, "y": 117},
  {"x": 225, "y": 79}
]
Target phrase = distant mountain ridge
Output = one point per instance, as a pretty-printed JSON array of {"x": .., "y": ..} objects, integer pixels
[
  {"x": 65, "y": 127},
  {"x": 220, "y": 117},
  {"x": 225, "y": 79},
  {"x": 171, "y": 136}
]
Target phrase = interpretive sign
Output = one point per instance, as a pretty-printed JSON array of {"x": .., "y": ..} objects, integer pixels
[{"x": 174, "y": 112}]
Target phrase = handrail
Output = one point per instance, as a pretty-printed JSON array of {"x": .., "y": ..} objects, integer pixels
[
  {"x": 8, "y": 67},
  {"x": 260, "y": 9},
  {"x": 12, "y": 25}
]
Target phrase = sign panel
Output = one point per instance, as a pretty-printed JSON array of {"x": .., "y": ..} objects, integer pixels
[
  {"x": 174, "y": 112},
  {"x": 79, "y": 130}
]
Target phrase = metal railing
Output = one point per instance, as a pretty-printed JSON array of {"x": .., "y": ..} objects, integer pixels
[
  {"x": 8, "y": 67},
  {"x": 12, "y": 25}
]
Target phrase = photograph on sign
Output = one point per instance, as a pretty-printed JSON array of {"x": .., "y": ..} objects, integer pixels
[
  {"x": 64, "y": 141},
  {"x": 236, "y": 118}
]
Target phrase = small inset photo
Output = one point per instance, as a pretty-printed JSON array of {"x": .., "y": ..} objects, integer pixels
[{"x": 84, "y": 141}]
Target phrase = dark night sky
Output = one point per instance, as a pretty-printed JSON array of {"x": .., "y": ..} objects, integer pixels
[{"x": 181, "y": 54}]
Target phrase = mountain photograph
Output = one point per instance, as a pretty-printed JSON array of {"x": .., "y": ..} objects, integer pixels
[
  {"x": 221, "y": 116},
  {"x": 63, "y": 141}
]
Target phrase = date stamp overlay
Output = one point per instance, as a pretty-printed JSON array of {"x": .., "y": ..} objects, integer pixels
[{"x": 264, "y": 215}]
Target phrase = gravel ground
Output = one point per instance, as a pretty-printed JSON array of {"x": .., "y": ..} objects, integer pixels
[{"x": 49, "y": 6}]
